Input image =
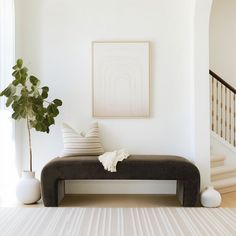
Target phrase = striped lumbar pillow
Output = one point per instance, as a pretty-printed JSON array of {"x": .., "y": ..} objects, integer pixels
[{"x": 85, "y": 143}]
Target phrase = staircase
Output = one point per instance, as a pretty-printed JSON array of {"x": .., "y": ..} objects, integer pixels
[
  {"x": 223, "y": 177},
  {"x": 223, "y": 126}
]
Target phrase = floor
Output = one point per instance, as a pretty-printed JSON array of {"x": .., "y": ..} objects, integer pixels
[
  {"x": 92, "y": 200},
  {"x": 118, "y": 200},
  {"x": 229, "y": 200}
]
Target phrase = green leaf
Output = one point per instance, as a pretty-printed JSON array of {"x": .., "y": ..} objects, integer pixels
[
  {"x": 52, "y": 110},
  {"x": 38, "y": 127},
  {"x": 6, "y": 92},
  {"x": 50, "y": 120},
  {"x": 19, "y": 63},
  {"x": 22, "y": 99},
  {"x": 23, "y": 112},
  {"x": 15, "y": 82},
  {"x": 36, "y": 93},
  {"x": 9, "y": 101},
  {"x": 14, "y": 105},
  {"x": 23, "y": 80},
  {"x": 13, "y": 90},
  {"x": 15, "y": 98},
  {"x": 24, "y": 92},
  {"x": 33, "y": 80},
  {"x": 17, "y": 108},
  {"x": 57, "y": 102},
  {"x": 44, "y": 127},
  {"x": 16, "y": 116},
  {"x": 18, "y": 75},
  {"x": 45, "y": 89},
  {"x": 24, "y": 70},
  {"x": 35, "y": 108},
  {"x": 37, "y": 101},
  {"x": 15, "y": 67},
  {"x": 10, "y": 90},
  {"x": 44, "y": 94},
  {"x": 15, "y": 72},
  {"x": 39, "y": 118},
  {"x": 49, "y": 109},
  {"x": 55, "y": 112}
]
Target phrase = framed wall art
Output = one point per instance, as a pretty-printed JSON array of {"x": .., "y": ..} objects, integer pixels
[{"x": 120, "y": 78}]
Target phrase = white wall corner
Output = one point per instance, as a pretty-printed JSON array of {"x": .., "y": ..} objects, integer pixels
[{"x": 201, "y": 89}]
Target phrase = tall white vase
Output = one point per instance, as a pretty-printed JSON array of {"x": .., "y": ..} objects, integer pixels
[
  {"x": 28, "y": 188},
  {"x": 210, "y": 198}
]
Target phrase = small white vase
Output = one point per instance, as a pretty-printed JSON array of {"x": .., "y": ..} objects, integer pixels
[
  {"x": 210, "y": 198},
  {"x": 28, "y": 188}
]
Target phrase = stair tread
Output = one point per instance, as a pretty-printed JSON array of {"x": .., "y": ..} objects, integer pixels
[
  {"x": 215, "y": 157},
  {"x": 222, "y": 183},
  {"x": 222, "y": 170}
]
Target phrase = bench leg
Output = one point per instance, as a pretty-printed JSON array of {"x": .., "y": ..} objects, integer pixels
[
  {"x": 187, "y": 192},
  {"x": 52, "y": 192},
  {"x": 61, "y": 190}
]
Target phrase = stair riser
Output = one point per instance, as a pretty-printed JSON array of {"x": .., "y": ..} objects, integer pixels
[
  {"x": 227, "y": 189},
  {"x": 223, "y": 176},
  {"x": 217, "y": 163}
]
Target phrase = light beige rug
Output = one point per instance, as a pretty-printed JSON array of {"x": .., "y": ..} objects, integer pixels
[{"x": 117, "y": 221}]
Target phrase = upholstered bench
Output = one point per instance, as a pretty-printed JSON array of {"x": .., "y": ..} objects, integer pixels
[{"x": 136, "y": 167}]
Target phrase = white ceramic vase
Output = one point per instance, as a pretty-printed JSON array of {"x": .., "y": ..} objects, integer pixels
[
  {"x": 210, "y": 198},
  {"x": 28, "y": 188}
]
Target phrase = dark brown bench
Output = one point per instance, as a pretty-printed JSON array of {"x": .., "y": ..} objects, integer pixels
[{"x": 136, "y": 167}]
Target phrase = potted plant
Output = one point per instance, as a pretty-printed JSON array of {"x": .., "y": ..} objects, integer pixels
[{"x": 28, "y": 101}]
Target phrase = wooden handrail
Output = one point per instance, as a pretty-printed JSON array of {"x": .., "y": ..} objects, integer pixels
[
  {"x": 223, "y": 109},
  {"x": 217, "y": 77}
]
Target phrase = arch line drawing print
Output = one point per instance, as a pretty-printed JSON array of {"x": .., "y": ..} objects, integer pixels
[{"x": 120, "y": 79}]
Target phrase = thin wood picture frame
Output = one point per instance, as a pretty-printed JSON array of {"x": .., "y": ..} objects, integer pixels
[{"x": 121, "y": 79}]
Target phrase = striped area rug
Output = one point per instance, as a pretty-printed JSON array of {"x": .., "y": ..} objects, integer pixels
[{"x": 117, "y": 221}]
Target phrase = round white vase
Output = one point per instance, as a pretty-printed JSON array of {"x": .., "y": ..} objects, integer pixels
[
  {"x": 210, "y": 198},
  {"x": 28, "y": 188}
]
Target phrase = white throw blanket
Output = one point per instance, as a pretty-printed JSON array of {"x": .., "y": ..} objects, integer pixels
[{"x": 109, "y": 160}]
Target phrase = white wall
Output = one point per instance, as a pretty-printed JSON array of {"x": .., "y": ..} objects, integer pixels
[
  {"x": 222, "y": 39},
  {"x": 56, "y": 46},
  {"x": 202, "y": 10},
  {"x": 18, "y": 53}
]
